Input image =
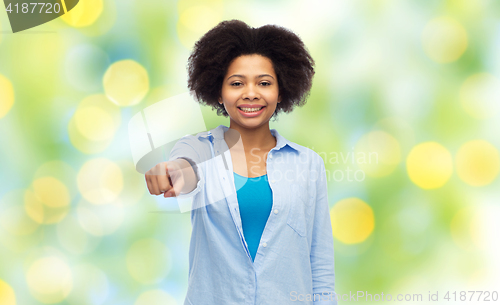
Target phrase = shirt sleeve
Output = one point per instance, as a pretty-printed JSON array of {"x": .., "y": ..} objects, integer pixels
[
  {"x": 188, "y": 147},
  {"x": 322, "y": 254}
]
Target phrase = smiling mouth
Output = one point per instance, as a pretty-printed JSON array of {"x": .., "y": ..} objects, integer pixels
[{"x": 250, "y": 110}]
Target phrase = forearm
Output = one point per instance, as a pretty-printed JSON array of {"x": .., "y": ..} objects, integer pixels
[
  {"x": 322, "y": 259},
  {"x": 322, "y": 252},
  {"x": 189, "y": 174}
]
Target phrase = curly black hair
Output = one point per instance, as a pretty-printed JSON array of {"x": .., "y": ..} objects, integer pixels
[{"x": 214, "y": 52}]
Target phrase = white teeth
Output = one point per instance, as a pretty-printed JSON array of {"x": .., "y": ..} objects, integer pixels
[{"x": 251, "y": 109}]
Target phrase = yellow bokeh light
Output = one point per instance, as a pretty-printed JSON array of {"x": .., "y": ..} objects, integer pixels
[
  {"x": 352, "y": 220},
  {"x": 100, "y": 181},
  {"x": 51, "y": 192},
  {"x": 40, "y": 212},
  {"x": 155, "y": 297},
  {"x": 108, "y": 118},
  {"x": 148, "y": 261},
  {"x": 126, "y": 83},
  {"x": 480, "y": 95},
  {"x": 85, "y": 13},
  {"x": 100, "y": 19},
  {"x": 429, "y": 165},
  {"x": 49, "y": 280},
  {"x": 90, "y": 286},
  {"x": 444, "y": 39},
  {"x": 6, "y": 96},
  {"x": 100, "y": 220},
  {"x": 60, "y": 170},
  {"x": 84, "y": 144},
  {"x": 378, "y": 153},
  {"x": 7, "y": 295},
  {"x": 48, "y": 201},
  {"x": 478, "y": 163},
  {"x": 94, "y": 123},
  {"x": 195, "y": 19},
  {"x": 190, "y": 18}
]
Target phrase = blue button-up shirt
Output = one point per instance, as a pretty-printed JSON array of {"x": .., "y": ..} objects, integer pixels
[{"x": 294, "y": 263}]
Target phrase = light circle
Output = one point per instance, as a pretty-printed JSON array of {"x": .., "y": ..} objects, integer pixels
[
  {"x": 100, "y": 181},
  {"x": 444, "y": 39},
  {"x": 85, "y": 13},
  {"x": 478, "y": 163},
  {"x": 429, "y": 165},
  {"x": 126, "y": 83},
  {"x": 480, "y": 95},
  {"x": 49, "y": 280},
  {"x": 352, "y": 220},
  {"x": 6, "y": 96}
]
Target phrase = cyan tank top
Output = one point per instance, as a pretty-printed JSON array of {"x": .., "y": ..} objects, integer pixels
[{"x": 255, "y": 200}]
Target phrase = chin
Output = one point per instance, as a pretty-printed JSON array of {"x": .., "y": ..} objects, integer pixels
[{"x": 250, "y": 123}]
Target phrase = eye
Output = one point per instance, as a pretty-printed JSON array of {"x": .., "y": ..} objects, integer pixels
[
  {"x": 266, "y": 84},
  {"x": 233, "y": 84}
]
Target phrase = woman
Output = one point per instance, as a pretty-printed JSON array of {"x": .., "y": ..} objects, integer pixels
[{"x": 260, "y": 217}]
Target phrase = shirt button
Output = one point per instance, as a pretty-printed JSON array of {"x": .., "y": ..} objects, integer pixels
[
  {"x": 275, "y": 211},
  {"x": 271, "y": 156},
  {"x": 272, "y": 181},
  {"x": 264, "y": 245}
]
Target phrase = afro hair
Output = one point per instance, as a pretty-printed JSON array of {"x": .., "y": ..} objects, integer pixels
[{"x": 214, "y": 51}]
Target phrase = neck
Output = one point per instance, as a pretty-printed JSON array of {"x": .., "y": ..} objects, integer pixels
[{"x": 259, "y": 137}]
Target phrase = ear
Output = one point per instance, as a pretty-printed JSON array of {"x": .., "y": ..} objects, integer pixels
[
  {"x": 220, "y": 100},
  {"x": 279, "y": 98}
]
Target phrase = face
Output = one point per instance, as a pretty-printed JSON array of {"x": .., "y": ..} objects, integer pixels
[{"x": 250, "y": 91}]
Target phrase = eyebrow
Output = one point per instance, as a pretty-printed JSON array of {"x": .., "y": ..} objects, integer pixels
[{"x": 242, "y": 76}]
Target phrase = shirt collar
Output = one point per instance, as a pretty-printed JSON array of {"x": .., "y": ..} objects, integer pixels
[{"x": 281, "y": 142}]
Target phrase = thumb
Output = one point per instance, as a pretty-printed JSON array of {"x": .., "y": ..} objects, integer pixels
[{"x": 174, "y": 191}]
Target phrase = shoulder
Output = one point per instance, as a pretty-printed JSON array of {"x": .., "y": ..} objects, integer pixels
[
  {"x": 196, "y": 138},
  {"x": 297, "y": 150},
  {"x": 307, "y": 153},
  {"x": 191, "y": 140},
  {"x": 194, "y": 146}
]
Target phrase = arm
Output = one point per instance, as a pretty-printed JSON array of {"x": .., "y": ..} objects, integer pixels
[
  {"x": 322, "y": 254},
  {"x": 188, "y": 176},
  {"x": 179, "y": 176},
  {"x": 186, "y": 155},
  {"x": 172, "y": 178}
]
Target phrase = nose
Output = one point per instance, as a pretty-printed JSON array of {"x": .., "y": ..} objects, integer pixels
[{"x": 251, "y": 92}]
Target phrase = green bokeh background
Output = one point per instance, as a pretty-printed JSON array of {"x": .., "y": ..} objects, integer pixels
[{"x": 373, "y": 72}]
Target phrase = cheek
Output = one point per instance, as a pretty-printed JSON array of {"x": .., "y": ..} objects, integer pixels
[
  {"x": 273, "y": 100},
  {"x": 273, "y": 95},
  {"x": 230, "y": 105},
  {"x": 229, "y": 97}
]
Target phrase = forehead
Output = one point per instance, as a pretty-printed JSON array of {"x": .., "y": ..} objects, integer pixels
[{"x": 251, "y": 65}]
